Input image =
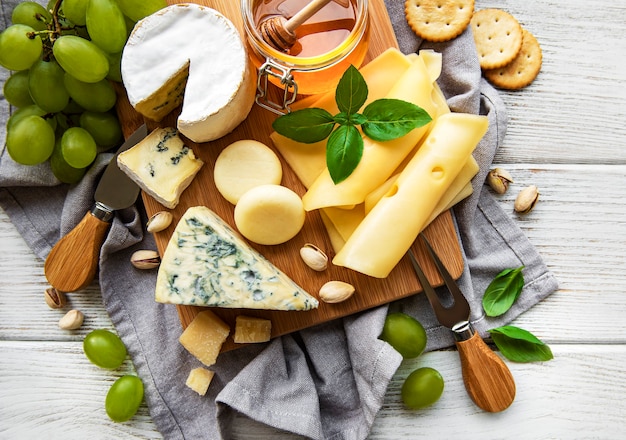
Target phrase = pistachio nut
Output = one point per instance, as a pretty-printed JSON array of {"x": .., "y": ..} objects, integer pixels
[
  {"x": 145, "y": 259},
  {"x": 499, "y": 179},
  {"x": 526, "y": 199},
  {"x": 336, "y": 291},
  {"x": 314, "y": 257},
  {"x": 159, "y": 221},
  {"x": 54, "y": 298},
  {"x": 71, "y": 320}
]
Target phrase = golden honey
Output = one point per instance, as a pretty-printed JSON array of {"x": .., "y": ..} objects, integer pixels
[{"x": 326, "y": 45}]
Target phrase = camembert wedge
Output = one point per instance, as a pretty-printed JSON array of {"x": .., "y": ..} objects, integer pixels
[{"x": 207, "y": 264}]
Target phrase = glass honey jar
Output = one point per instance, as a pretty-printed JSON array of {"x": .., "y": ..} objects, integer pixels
[{"x": 326, "y": 45}]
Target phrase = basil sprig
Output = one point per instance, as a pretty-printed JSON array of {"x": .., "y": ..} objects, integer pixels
[
  {"x": 519, "y": 345},
  {"x": 503, "y": 291},
  {"x": 381, "y": 120}
]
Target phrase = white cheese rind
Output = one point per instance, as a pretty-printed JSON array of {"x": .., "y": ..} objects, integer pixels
[
  {"x": 191, "y": 54},
  {"x": 207, "y": 264}
]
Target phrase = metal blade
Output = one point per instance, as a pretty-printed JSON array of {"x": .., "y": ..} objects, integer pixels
[{"x": 116, "y": 190}]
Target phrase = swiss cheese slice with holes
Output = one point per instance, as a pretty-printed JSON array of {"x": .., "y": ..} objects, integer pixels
[
  {"x": 191, "y": 55},
  {"x": 207, "y": 264}
]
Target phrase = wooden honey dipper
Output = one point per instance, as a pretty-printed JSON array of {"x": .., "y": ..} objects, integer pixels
[{"x": 279, "y": 32}]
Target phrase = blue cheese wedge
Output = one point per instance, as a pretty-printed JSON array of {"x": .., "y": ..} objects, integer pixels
[
  {"x": 207, "y": 264},
  {"x": 162, "y": 165}
]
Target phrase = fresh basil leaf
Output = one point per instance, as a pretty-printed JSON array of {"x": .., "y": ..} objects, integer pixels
[
  {"x": 308, "y": 125},
  {"x": 349, "y": 119},
  {"x": 503, "y": 291},
  {"x": 389, "y": 119},
  {"x": 343, "y": 152},
  {"x": 351, "y": 91},
  {"x": 519, "y": 345}
]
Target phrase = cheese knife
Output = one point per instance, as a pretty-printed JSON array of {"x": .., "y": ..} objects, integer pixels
[
  {"x": 488, "y": 380},
  {"x": 72, "y": 263}
]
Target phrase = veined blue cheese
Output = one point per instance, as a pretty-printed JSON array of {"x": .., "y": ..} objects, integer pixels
[
  {"x": 162, "y": 165},
  {"x": 207, "y": 264}
]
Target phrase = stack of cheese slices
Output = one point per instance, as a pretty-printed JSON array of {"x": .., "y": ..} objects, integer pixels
[{"x": 399, "y": 186}]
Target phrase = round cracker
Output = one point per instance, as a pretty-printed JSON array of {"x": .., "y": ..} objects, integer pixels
[
  {"x": 438, "y": 20},
  {"x": 522, "y": 70},
  {"x": 498, "y": 37}
]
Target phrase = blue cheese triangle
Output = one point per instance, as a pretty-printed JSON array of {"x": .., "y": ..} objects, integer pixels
[{"x": 207, "y": 264}]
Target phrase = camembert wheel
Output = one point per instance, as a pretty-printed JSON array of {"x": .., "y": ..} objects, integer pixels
[{"x": 189, "y": 54}]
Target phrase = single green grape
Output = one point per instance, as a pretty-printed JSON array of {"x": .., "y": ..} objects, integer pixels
[
  {"x": 17, "y": 50},
  {"x": 61, "y": 169},
  {"x": 138, "y": 9},
  {"x": 78, "y": 147},
  {"x": 73, "y": 108},
  {"x": 81, "y": 58},
  {"x": 16, "y": 89},
  {"x": 104, "y": 348},
  {"x": 124, "y": 398},
  {"x": 115, "y": 66},
  {"x": 422, "y": 388},
  {"x": 29, "y": 110},
  {"x": 45, "y": 83},
  {"x": 30, "y": 141},
  {"x": 104, "y": 128},
  {"x": 31, "y": 14},
  {"x": 106, "y": 25},
  {"x": 95, "y": 96},
  {"x": 75, "y": 11},
  {"x": 405, "y": 334}
]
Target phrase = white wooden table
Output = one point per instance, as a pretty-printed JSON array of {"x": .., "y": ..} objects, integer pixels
[{"x": 567, "y": 135}]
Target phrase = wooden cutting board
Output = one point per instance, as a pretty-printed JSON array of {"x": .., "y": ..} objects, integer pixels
[{"x": 370, "y": 292}]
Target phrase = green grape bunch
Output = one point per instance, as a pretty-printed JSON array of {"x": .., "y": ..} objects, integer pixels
[{"x": 64, "y": 60}]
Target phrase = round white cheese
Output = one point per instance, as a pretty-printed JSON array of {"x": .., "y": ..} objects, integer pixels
[
  {"x": 269, "y": 214},
  {"x": 244, "y": 165},
  {"x": 189, "y": 54}
]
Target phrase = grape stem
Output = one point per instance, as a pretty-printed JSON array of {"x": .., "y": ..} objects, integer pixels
[{"x": 55, "y": 20}]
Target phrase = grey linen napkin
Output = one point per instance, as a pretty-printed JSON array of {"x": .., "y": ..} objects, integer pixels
[{"x": 325, "y": 382}]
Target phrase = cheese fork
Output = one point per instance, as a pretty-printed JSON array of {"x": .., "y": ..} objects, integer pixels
[{"x": 487, "y": 379}]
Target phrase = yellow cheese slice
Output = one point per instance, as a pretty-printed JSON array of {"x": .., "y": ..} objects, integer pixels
[
  {"x": 380, "y": 159},
  {"x": 387, "y": 232},
  {"x": 345, "y": 221},
  {"x": 336, "y": 240},
  {"x": 380, "y": 74},
  {"x": 459, "y": 189}
]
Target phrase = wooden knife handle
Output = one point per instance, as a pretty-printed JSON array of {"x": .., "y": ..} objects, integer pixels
[
  {"x": 72, "y": 263},
  {"x": 488, "y": 380}
]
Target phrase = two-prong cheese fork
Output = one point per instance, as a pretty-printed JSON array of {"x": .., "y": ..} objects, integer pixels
[{"x": 487, "y": 379}]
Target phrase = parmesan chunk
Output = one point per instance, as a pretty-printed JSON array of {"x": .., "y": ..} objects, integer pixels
[
  {"x": 199, "y": 380},
  {"x": 249, "y": 329},
  {"x": 204, "y": 337}
]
